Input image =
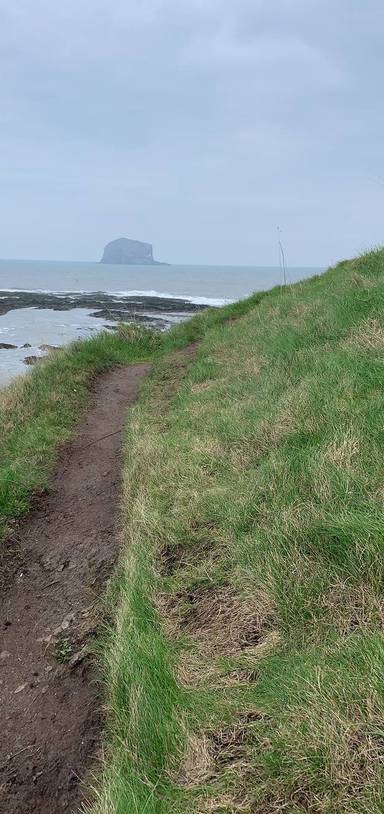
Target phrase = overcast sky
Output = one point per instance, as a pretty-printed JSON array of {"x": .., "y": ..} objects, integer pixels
[{"x": 198, "y": 125}]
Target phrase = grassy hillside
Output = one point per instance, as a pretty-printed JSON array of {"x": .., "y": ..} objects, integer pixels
[
  {"x": 244, "y": 670},
  {"x": 38, "y": 411}
]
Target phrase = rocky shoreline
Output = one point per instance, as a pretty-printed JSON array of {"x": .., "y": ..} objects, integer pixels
[
  {"x": 26, "y": 339},
  {"x": 117, "y": 308}
]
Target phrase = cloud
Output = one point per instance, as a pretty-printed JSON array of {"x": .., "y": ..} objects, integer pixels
[
  {"x": 276, "y": 54},
  {"x": 175, "y": 119}
]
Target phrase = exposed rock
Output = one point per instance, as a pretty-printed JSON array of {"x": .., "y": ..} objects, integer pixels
[
  {"x": 6, "y": 346},
  {"x": 103, "y": 305},
  {"x": 27, "y": 345},
  {"x": 129, "y": 252},
  {"x": 31, "y": 360},
  {"x": 146, "y": 309}
]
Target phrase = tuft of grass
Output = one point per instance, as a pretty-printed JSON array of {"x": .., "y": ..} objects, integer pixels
[
  {"x": 63, "y": 650},
  {"x": 243, "y": 671}
]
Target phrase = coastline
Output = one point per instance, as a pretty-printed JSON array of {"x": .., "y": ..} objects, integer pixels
[
  {"x": 93, "y": 296},
  {"x": 245, "y": 617},
  {"x": 33, "y": 321},
  {"x": 103, "y": 304}
]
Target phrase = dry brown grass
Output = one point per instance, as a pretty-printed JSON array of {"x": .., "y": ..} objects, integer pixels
[
  {"x": 200, "y": 387},
  {"x": 201, "y": 666},
  {"x": 353, "y": 607},
  {"x": 174, "y": 557},
  {"x": 209, "y": 446},
  {"x": 343, "y": 449},
  {"x": 217, "y": 750},
  {"x": 229, "y": 752},
  {"x": 226, "y": 803},
  {"x": 218, "y": 623},
  {"x": 225, "y": 622},
  {"x": 302, "y": 311},
  {"x": 369, "y": 335},
  {"x": 360, "y": 280},
  {"x": 198, "y": 765}
]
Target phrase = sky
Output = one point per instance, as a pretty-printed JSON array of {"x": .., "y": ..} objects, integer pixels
[{"x": 197, "y": 125}]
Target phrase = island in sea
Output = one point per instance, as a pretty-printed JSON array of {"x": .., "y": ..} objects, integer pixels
[{"x": 130, "y": 253}]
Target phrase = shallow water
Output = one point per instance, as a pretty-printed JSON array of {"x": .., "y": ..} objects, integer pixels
[
  {"x": 39, "y": 327},
  {"x": 158, "y": 295}
]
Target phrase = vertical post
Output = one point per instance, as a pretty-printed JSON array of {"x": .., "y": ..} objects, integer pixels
[{"x": 281, "y": 257}]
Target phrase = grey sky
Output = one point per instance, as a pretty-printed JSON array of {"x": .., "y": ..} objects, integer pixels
[{"x": 199, "y": 125}]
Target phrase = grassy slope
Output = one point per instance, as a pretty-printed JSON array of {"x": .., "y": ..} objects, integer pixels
[
  {"x": 244, "y": 671},
  {"x": 39, "y": 410}
]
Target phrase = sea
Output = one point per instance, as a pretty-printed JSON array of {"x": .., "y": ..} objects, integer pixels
[{"x": 51, "y": 303}]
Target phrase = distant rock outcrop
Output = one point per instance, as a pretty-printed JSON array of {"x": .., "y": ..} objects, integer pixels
[{"x": 129, "y": 252}]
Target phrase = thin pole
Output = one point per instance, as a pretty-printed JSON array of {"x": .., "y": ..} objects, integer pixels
[{"x": 281, "y": 256}]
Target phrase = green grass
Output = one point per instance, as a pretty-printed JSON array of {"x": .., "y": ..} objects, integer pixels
[
  {"x": 244, "y": 670},
  {"x": 38, "y": 411}
]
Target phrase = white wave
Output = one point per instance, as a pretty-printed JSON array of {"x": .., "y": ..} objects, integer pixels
[
  {"x": 167, "y": 296},
  {"x": 49, "y": 291}
]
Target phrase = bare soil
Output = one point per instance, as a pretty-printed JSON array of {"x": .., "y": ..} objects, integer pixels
[{"x": 61, "y": 556}]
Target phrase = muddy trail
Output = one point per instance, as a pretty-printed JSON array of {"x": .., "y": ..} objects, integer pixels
[{"x": 62, "y": 554}]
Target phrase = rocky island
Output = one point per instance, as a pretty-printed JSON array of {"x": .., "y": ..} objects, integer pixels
[{"x": 129, "y": 252}]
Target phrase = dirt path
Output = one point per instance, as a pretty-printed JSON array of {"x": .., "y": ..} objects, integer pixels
[{"x": 49, "y": 705}]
